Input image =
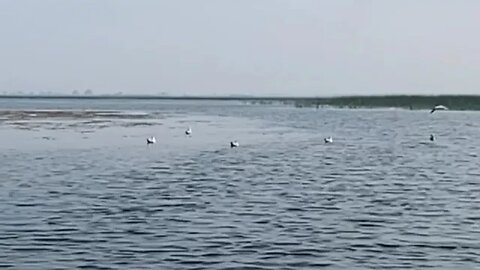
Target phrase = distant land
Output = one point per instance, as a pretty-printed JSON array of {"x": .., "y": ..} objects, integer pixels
[{"x": 412, "y": 102}]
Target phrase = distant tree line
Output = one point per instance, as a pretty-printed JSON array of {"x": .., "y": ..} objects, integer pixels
[{"x": 454, "y": 102}]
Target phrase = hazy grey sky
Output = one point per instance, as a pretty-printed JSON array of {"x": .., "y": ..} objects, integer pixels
[{"x": 263, "y": 47}]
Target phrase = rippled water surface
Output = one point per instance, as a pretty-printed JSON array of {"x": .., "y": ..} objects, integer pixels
[{"x": 81, "y": 189}]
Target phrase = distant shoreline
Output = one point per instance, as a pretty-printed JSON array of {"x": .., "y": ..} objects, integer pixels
[{"x": 413, "y": 102}]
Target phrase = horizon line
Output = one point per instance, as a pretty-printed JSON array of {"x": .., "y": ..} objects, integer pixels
[{"x": 226, "y": 97}]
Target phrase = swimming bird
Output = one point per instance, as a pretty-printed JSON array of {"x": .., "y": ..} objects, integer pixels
[
  {"x": 438, "y": 108},
  {"x": 432, "y": 137},
  {"x": 188, "y": 132},
  {"x": 151, "y": 140},
  {"x": 234, "y": 144},
  {"x": 328, "y": 139}
]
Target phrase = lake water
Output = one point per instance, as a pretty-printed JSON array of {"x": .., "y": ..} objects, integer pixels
[{"x": 82, "y": 190}]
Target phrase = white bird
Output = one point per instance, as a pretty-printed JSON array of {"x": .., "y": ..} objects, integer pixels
[
  {"x": 234, "y": 144},
  {"x": 188, "y": 132},
  {"x": 432, "y": 137},
  {"x": 151, "y": 140},
  {"x": 438, "y": 108},
  {"x": 328, "y": 140}
]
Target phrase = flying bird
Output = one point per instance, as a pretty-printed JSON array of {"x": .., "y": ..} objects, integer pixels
[
  {"x": 328, "y": 139},
  {"x": 438, "y": 108}
]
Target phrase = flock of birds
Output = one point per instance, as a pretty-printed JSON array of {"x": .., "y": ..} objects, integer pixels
[
  {"x": 234, "y": 144},
  {"x": 188, "y": 132}
]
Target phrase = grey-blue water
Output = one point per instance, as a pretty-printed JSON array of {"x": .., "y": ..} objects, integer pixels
[{"x": 82, "y": 190}]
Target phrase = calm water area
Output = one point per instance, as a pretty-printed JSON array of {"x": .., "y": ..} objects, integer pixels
[{"x": 81, "y": 189}]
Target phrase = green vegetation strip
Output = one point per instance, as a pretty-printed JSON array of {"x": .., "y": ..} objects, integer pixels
[{"x": 413, "y": 102}]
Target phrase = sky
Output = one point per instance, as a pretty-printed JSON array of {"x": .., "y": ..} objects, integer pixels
[{"x": 241, "y": 47}]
